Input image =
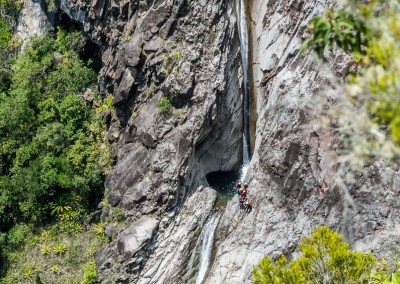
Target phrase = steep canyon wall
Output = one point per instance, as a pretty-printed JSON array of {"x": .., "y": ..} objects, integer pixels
[
  {"x": 189, "y": 52},
  {"x": 293, "y": 170}
]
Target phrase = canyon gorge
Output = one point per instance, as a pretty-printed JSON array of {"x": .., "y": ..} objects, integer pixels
[{"x": 243, "y": 100}]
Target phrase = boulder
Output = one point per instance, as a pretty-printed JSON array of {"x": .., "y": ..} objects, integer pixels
[{"x": 136, "y": 236}]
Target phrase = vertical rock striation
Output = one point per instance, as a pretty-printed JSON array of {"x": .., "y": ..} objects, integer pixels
[
  {"x": 188, "y": 53},
  {"x": 293, "y": 168}
]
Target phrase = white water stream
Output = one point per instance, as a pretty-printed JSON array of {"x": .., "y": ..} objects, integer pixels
[
  {"x": 206, "y": 245},
  {"x": 207, "y": 233},
  {"x": 244, "y": 52}
]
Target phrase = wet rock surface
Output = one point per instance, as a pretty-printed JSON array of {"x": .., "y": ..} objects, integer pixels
[{"x": 153, "y": 251}]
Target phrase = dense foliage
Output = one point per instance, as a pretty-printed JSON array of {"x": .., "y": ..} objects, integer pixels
[
  {"x": 52, "y": 154},
  {"x": 50, "y": 138},
  {"x": 369, "y": 32},
  {"x": 325, "y": 258},
  {"x": 9, "y": 10}
]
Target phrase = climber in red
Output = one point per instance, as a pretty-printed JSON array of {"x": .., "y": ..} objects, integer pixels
[
  {"x": 241, "y": 200},
  {"x": 242, "y": 192},
  {"x": 239, "y": 188},
  {"x": 245, "y": 190}
]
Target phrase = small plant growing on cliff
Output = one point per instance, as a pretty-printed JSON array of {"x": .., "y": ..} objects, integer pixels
[
  {"x": 100, "y": 230},
  {"x": 165, "y": 107},
  {"x": 60, "y": 249},
  {"x": 90, "y": 275},
  {"x": 325, "y": 259},
  {"x": 54, "y": 268},
  {"x": 177, "y": 55},
  {"x": 46, "y": 250}
]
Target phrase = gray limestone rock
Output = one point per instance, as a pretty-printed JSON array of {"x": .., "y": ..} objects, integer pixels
[
  {"x": 33, "y": 20},
  {"x": 151, "y": 50},
  {"x": 176, "y": 241},
  {"x": 294, "y": 165},
  {"x": 136, "y": 236}
]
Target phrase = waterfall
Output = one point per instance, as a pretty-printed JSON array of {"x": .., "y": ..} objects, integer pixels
[
  {"x": 206, "y": 245},
  {"x": 243, "y": 37}
]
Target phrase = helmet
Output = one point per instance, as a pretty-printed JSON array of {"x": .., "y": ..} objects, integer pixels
[
  {"x": 246, "y": 185},
  {"x": 239, "y": 184}
]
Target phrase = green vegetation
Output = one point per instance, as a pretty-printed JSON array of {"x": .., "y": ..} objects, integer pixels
[
  {"x": 90, "y": 273},
  {"x": 337, "y": 28},
  {"x": 9, "y": 10},
  {"x": 53, "y": 253},
  {"x": 177, "y": 55},
  {"x": 164, "y": 105},
  {"x": 53, "y": 160},
  {"x": 325, "y": 258},
  {"x": 369, "y": 32},
  {"x": 51, "y": 156}
]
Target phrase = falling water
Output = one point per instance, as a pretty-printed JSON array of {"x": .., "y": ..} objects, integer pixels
[
  {"x": 207, "y": 233},
  {"x": 243, "y": 37},
  {"x": 206, "y": 245}
]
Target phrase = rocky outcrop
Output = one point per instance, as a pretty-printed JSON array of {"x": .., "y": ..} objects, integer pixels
[
  {"x": 173, "y": 70},
  {"x": 34, "y": 20},
  {"x": 293, "y": 170},
  {"x": 153, "y": 251}
]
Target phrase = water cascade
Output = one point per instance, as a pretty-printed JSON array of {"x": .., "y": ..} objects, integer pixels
[
  {"x": 225, "y": 182},
  {"x": 244, "y": 52},
  {"x": 206, "y": 246}
]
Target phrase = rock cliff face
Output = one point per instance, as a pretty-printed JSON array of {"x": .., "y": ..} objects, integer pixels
[
  {"x": 293, "y": 168},
  {"x": 188, "y": 51},
  {"x": 33, "y": 20}
]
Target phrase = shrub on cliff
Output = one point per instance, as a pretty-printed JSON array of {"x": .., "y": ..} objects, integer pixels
[
  {"x": 368, "y": 111},
  {"x": 325, "y": 259}
]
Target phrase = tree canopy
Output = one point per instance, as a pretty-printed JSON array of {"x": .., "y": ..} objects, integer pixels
[{"x": 51, "y": 144}]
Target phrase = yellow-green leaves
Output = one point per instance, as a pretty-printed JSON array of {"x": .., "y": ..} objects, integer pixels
[
  {"x": 325, "y": 259},
  {"x": 369, "y": 31}
]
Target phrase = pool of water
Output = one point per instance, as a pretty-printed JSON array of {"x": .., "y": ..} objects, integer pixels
[{"x": 224, "y": 183}]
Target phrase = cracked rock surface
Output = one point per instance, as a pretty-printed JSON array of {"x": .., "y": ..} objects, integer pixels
[
  {"x": 292, "y": 171},
  {"x": 188, "y": 52}
]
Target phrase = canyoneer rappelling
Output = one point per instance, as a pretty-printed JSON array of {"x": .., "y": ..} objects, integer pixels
[{"x": 243, "y": 199}]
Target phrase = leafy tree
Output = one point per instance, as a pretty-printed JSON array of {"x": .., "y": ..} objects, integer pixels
[
  {"x": 337, "y": 28},
  {"x": 50, "y": 138},
  {"x": 369, "y": 32},
  {"x": 325, "y": 259}
]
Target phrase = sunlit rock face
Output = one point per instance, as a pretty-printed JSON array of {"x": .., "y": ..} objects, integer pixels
[
  {"x": 189, "y": 52},
  {"x": 292, "y": 173},
  {"x": 33, "y": 20}
]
